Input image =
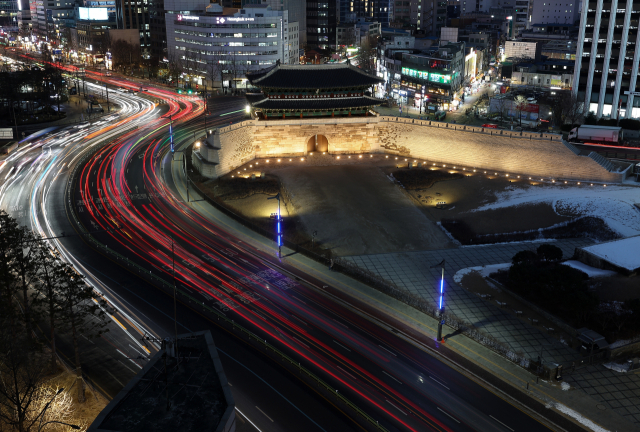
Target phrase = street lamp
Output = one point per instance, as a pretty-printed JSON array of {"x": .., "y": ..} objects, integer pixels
[
  {"x": 278, "y": 222},
  {"x": 440, "y": 302}
]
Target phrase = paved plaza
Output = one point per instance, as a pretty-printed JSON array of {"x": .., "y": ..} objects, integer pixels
[
  {"x": 617, "y": 391},
  {"x": 411, "y": 270}
]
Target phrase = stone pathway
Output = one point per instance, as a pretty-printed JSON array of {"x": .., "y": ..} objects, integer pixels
[
  {"x": 614, "y": 390},
  {"x": 411, "y": 270}
]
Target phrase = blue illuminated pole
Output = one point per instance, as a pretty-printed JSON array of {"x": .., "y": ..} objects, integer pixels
[
  {"x": 440, "y": 302},
  {"x": 279, "y": 225}
]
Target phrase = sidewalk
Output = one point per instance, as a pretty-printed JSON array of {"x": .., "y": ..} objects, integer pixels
[{"x": 422, "y": 328}]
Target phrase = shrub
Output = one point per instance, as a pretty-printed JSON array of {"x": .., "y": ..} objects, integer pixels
[
  {"x": 525, "y": 256},
  {"x": 549, "y": 253},
  {"x": 607, "y": 122},
  {"x": 591, "y": 119},
  {"x": 630, "y": 124}
]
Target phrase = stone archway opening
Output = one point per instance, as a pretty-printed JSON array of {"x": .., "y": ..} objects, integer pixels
[{"x": 318, "y": 143}]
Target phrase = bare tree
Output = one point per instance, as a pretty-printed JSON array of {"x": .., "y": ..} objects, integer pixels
[
  {"x": 79, "y": 314},
  {"x": 214, "y": 68},
  {"x": 501, "y": 106},
  {"x": 176, "y": 67},
  {"x": 521, "y": 104}
]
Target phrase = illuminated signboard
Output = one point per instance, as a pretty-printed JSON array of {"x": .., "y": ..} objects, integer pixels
[
  {"x": 188, "y": 18},
  {"x": 93, "y": 14},
  {"x": 222, "y": 20},
  {"x": 433, "y": 77}
]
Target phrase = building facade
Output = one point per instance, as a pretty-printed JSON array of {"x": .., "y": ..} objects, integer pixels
[
  {"x": 607, "y": 59},
  {"x": 322, "y": 20},
  {"x": 135, "y": 15},
  {"x": 555, "y": 12},
  {"x": 433, "y": 79},
  {"x": 522, "y": 50},
  {"x": 215, "y": 46}
]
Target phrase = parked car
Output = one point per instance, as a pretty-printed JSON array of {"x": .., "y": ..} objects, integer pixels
[{"x": 490, "y": 126}]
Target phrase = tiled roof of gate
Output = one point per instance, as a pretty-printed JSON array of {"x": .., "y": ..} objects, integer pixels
[
  {"x": 313, "y": 77},
  {"x": 316, "y": 104}
]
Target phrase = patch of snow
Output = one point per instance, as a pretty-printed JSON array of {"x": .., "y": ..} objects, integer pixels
[
  {"x": 622, "y": 253},
  {"x": 565, "y": 386},
  {"x": 624, "y": 368},
  {"x": 590, "y": 271},
  {"x": 452, "y": 208},
  {"x": 577, "y": 416},
  {"x": 614, "y": 204},
  {"x": 624, "y": 342},
  {"x": 483, "y": 270},
  {"x": 542, "y": 240}
]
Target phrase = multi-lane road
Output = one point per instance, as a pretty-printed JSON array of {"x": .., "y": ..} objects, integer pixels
[{"x": 126, "y": 195}]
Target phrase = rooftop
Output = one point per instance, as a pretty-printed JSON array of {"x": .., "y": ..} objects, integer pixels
[
  {"x": 189, "y": 394},
  {"x": 316, "y": 104},
  {"x": 324, "y": 76}
]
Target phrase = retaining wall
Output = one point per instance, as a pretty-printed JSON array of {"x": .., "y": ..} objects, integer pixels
[{"x": 525, "y": 153}]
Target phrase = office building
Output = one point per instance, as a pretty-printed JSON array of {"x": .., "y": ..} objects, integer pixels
[
  {"x": 135, "y": 15},
  {"x": 321, "y": 23},
  {"x": 607, "y": 60},
  {"x": 555, "y": 12},
  {"x": 217, "y": 44}
]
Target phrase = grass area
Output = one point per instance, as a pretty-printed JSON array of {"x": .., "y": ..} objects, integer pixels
[{"x": 420, "y": 178}]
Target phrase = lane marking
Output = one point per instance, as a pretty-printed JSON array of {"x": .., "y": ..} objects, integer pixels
[
  {"x": 393, "y": 354},
  {"x": 393, "y": 378},
  {"x": 114, "y": 377},
  {"x": 500, "y": 422},
  {"x": 338, "y": 343},
  {"x": 395, "y": 406},
  {"x": 343, "y": 325},
  {"x": 252, "y": 423},
  {"x": 299, "y": 320},
  {"x": 301, "y": 343},
  {"x": 267, "y": 415},
  {"x": 439, "y": 382},
  {"x": 346, "y": 372},
  {"x": 302, "y": 301},
  {"x": 448, "y": 415}
]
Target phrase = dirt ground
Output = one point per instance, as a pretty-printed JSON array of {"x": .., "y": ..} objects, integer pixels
[
  {"x": 257, "y": 206},
  {"x": 358, "y": 210}
]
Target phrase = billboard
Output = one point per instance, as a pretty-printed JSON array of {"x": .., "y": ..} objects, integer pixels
[
  {"x": 6, "y": 133},
  {"x": 93, "y": 14}
]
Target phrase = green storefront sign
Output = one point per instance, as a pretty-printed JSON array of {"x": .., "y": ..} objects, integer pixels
[{"x": 428, "y": 76}]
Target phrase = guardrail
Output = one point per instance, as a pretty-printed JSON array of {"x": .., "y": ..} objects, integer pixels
[{"x": 220, "y": 317}]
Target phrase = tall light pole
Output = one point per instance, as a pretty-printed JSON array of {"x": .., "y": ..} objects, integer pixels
[
  {"x": 441, "y": 301},
  {"x": 278, "y": 222}
]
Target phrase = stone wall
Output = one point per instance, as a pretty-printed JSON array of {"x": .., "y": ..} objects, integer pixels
[{"x": 525, "y": 153}]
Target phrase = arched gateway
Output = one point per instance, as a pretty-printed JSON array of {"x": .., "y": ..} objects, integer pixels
[{"x": 318, "y": 143}]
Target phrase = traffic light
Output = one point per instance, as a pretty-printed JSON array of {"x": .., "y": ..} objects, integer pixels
[
  {"x": 189, "y": 91},
  {"x": 179, "y": 91},
  {"x": 196, "y": 86}
]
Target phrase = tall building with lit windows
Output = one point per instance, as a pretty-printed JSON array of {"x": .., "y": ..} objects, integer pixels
[
  {"x": 322, "y": 18},
  {"x": 220, "y": 44},
  {"x": 608, "y": 57},
  {"x": 370, "y": 10},
  {"x": 134, "y": 14}
]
